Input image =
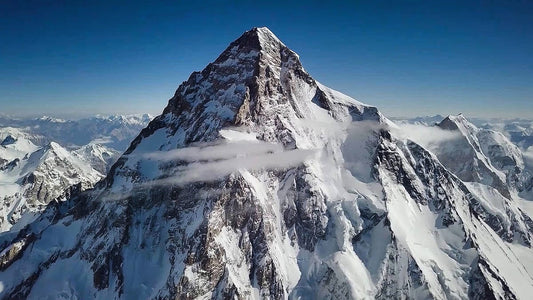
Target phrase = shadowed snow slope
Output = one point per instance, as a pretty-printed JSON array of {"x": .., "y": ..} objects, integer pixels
[{"x": 358, "y": 213}]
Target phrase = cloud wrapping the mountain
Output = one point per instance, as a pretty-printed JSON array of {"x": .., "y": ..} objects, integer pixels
[
  {"x": 528, "y": 156},
  {"x": 215, "y": 161},
  {"x": 224, "y": 150},
  {"x": 430, "y": 137}
]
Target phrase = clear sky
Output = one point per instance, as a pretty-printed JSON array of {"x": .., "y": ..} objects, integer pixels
[{"x": 406, "y": 57}]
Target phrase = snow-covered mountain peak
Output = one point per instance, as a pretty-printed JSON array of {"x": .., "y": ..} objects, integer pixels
[
  {"x": 485, "y": 156},
  {"x": 462, "y": 125},
  {"x": 34, "y": 176},
  {"x": 54, "y": 146},
  {"x": 51, "y": 119},
  {"x": 259, "y": 39},
  {"x": 134, "y": 119},
  {"x": 15, "y": 144},
  {"x": 98, "y": 156},
  {"x": 490, "y": 143},
  {"x": 257, "y": 83},
  {"x": 258, "y": 182},
  {"x": 458, "y": 122},
  {"x": 55, "y": 149},
  {"x": 264, "y": 32}
]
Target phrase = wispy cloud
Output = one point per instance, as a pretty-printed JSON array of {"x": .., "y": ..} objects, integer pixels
[
  {"x": 430, "y": 137},
  {"x": 528, "y": 156},
  {"x": 212, "y": 170},
  {"x": 209, "y": 162},
  {"x": 221, "y": 150}
]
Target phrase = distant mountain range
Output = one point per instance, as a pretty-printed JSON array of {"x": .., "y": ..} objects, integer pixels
[
  {"x": 115, "y": 131},
  {"x": 519, "y": 131},
  {"x": 46, "y": 159}
]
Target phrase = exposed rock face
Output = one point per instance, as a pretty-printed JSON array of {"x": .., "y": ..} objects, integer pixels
[
  {"x": 355, "y": 212},
  {"x": 9, "y": 140},
  {"x": 56, "y": 171}
]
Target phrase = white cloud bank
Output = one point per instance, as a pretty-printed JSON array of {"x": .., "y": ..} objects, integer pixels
[
  {"x": 528, "y": 156},
  {"x": 223, "y": 150},
  {"x": 430, "y": 137},
  {"x": 214, "y": 161}
]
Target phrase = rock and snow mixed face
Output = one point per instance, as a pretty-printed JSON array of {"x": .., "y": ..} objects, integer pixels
[
  {"x": 33, "y": 176},
  {"x": 259, "y": 182},
  {"x": 98, "y": 156},
  {"x": 484, "y": 156},
  {"x": 35, "y": 171}
]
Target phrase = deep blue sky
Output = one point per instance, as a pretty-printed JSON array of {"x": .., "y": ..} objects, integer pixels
[{"x": 408, "y": 58}]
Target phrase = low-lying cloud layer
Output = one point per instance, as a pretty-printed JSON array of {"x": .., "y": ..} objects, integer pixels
[
  {"x": 430, "y": 137},
  {"x": 212, "y": 162},
  {"x": 222, "y": 150},
  {"x": 528, "y": 156}
]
